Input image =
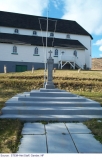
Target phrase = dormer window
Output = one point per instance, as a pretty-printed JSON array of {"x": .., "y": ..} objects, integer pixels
[
  {"x": 16, "y": 31},
  {"x": 34, "y": 33},
  {"x": 67, "y": 36},
  {"x": 51, "y": 34}
]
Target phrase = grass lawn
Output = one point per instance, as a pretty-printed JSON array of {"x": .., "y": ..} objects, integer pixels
[
  {"x": 10, "y": 134},
  {"x": 85, "y": 83}
]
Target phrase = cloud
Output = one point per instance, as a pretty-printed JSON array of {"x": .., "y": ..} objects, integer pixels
[
  {"x": 35, "y": 7},
  {"x": 87, "y": 13},
  {"x": 98, "y": 42},
  {"x": 56, "y": 3},
  {"x": 100, "y": 49},
  {"x": 100, "y": 55}
]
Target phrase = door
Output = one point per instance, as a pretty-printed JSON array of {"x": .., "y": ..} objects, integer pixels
[{"x": 21, "y": 68}]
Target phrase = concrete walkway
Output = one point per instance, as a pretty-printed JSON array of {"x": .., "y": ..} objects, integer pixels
[{"x": 58, "y": 138}]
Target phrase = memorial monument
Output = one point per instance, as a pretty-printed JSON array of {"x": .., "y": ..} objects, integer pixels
[{"x": 49, "y": 84}]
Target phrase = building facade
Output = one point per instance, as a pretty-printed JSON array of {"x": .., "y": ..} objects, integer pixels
[{"x": 23, "y": 43}]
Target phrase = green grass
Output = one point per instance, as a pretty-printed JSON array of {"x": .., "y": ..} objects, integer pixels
[
  {"x": 96, "y": 127},
  {"x": 86, "y": 83},
  {"x": 10, "y": 134}
]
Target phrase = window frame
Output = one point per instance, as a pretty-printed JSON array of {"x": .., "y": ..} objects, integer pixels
[
  {"x": 51, "y": 34},
  {"x": 16, "y": 31},
  {"x": 56, "y": 53},
  {"x": 75, "y": 53},
  {"x": 68, "y": 36},
  {"x": 36, "y": 51},
  {"x": 14, "y": 50},
  {"x": 34, "y": 33}
]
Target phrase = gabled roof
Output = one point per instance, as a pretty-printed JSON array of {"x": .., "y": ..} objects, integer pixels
[
  {"x": 38, "y": 41},
  {"x": 16, "y": 20}
]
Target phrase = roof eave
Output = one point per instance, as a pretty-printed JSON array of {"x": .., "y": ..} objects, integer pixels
[{"x": 71, "y": 47}]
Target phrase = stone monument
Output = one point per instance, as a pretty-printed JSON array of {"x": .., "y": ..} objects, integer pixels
[{"x": 49, "y": 84}]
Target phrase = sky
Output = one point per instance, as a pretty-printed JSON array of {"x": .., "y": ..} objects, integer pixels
[{"x": 88, "y": 13}]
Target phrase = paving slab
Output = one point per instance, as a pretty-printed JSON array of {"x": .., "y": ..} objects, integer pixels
[
  {"x": 86, "y": 143},
  {"x": 33, "y": 144},
  {"x": 33, "y": 128},
  {"x": 60, "y": 143},
  {"x": 55, "y": 128},
  {"x": 77, "y": 128}
]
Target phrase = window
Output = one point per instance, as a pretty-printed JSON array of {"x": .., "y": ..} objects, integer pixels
[
  {"x": 14, "y": 49},
  {"x": 36, "y": 51},
  {"x": 16, "y": 31},
  {"x": 34, "y": 33},
  {"x": 51, "y": 34},
  {"x": 75, "y": 53},
  {"x": 56, "y": 52},
  {"x": 67, "y": 36}
]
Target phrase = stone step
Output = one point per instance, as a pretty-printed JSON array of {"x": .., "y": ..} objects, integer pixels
[
  {"x": 52, "y": 94},
  {"x": 51, "y": 110},
  {"x": 58, "y": 99},
  {"x": 51, "y": 90},
  {"x": 50, "y": 104},
  {"x": 57, "y": 118}
]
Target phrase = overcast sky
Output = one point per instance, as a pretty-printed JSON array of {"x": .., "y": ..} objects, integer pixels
[{"x": 87, "y": 13}]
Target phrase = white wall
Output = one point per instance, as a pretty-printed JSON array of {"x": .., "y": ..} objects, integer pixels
[
  {"x": 11, "y": 30},
  {"x": 26, "y": 54},
  {"x": 85, "y": 40},
  {"x": 21, "y": 31},
  {"x": 68, "y": 56},
  {"x": 30, "y": 32}
]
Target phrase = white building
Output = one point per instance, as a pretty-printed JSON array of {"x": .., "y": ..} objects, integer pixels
[{"x": 23, "y": 43}]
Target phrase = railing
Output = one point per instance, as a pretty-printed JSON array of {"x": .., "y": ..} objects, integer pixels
[
  {"x": 70, "y": 59},
  {"x": 78, "y": 62},
  {"x": 64, "y": 58}
]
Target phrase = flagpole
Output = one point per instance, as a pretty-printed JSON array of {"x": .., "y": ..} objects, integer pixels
[{"x": 46, "y": 48}]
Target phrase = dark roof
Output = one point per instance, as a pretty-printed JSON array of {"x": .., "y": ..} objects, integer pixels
[
  {"x": 16, "y": 20},
  {"x": 38, "y": 41}
]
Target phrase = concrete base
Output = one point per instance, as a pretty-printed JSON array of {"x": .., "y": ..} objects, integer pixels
[
  {"x": 51, "y": 105},
  {"x": 49, "y": 85}
]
